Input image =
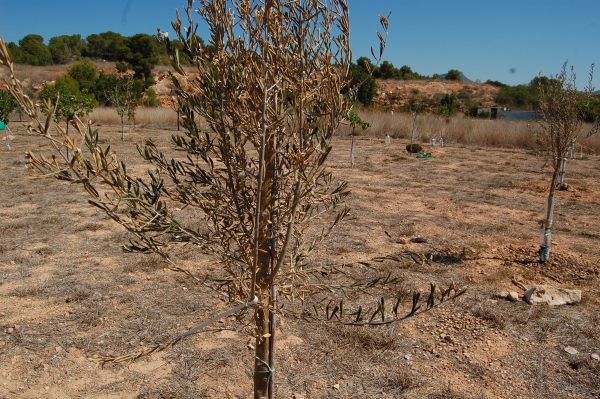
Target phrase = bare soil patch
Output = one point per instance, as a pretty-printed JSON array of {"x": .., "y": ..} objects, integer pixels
[{"x": 67, "y": 291}]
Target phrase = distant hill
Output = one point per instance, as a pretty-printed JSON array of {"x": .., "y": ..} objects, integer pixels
[{"x": 596, "y": 93}]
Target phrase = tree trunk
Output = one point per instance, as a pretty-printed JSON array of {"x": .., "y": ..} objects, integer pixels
[
  {"x": 272, "y": 327},
  {"x": 67, "y": 132},
  {"x": 262, "y": 369},
  {"x": 412, "y": 133},
  {"x": 352, "y": 150},
  {"x": 263, "y": 372},
  {"x": 546, "y": 246},
  {"x": 122, "y": 130},
  {"x": 563, "y": 165}
]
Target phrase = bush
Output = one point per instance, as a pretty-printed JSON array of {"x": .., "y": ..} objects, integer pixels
[
  {"x": 414, "y": 148},
  {"x": 448, "y": 105},
  {"x": 71, "y": 101},
  {"x": 495, "y": 83},
  {"x": 122, "y": 67},
  {"x": 150, "y": 98},
  {"x": 362, "y": 82},
  {"x": 454, "y": 74},
  {"x": 591, "y": 111},
  {"x": 86, "y": 75},
  {"x": 7, "y": 105}
]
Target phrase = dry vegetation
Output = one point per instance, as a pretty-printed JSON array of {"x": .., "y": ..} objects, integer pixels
[
  {"x": 68, "y": 292},
  {"x": 144, "y": 116},
  {"x": 395, "y": 94},
  {"x": 461, "y": 130}
]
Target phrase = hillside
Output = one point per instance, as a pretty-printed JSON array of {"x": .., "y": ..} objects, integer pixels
[
  {"x": 396, "y": 94},
  {"x": 391, "y": 94}
]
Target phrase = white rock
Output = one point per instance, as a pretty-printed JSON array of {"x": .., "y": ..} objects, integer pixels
[
  {"x": 513, "y": 296},
  {"x": 336, "y": 386},
  {"x": 546, "y": 294},
  {"x": 570, "y": 350},
  {"x": 595, "y": 356}
]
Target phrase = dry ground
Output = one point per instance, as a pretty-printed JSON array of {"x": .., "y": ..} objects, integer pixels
[{"x": 68, "y": 292}]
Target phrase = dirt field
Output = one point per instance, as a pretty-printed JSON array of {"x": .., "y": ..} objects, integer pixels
[{"x": 68, "y": 292}]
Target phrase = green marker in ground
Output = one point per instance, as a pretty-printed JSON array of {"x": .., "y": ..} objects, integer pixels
[{"x": 2, "y": 125}]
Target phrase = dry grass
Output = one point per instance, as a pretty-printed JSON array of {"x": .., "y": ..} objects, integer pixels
[
  {"x": 65, "y": 282},
  {"x": 461, "y": 130},
  {"x": 148, "y": 117}
]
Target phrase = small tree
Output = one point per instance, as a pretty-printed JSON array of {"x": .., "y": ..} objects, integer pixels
[
  {"x": 415, "y": 109},
  {"x": 65, "y": 101},
  {"x": 562, "y": 108},
  {"x": 125, "y": 97},
  {"x": 270, "y": 92},
  {"x": 355, "y": 120}
]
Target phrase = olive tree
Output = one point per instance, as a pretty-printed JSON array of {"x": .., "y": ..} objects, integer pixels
[
  {"x": 125, "y": 97},
  {"x": 354, "y": 120},
  {"x": 561, "y": 106},
  {"x": 270, "y": 88}
]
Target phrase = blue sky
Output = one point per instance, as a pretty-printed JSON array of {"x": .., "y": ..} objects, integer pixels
[{"x": 510, "y": 40}]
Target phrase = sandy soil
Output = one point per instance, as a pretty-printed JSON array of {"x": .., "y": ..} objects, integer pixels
[{"x": 68, "y": 292}]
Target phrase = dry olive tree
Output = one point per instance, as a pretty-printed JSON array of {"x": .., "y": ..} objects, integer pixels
[
  {"x": 271, "y": 87},
  {"x": 561, "y": 106}
]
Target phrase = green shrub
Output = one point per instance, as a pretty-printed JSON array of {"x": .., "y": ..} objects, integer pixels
[
  {"x": 68, "y": 99},
  {"x": 363, "y": 83},
  {"x": 448, "y": 105},
  {"x": 7, "y": 105},
  {"x": 122, "y": 67},
  {"x": 414, "y": 148},
  {"x": 85, "y": 73},
  {"x": 150, "y": 98},
  {"x": 591, "y": 110},
  {"x": 454, "y": 74}
]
